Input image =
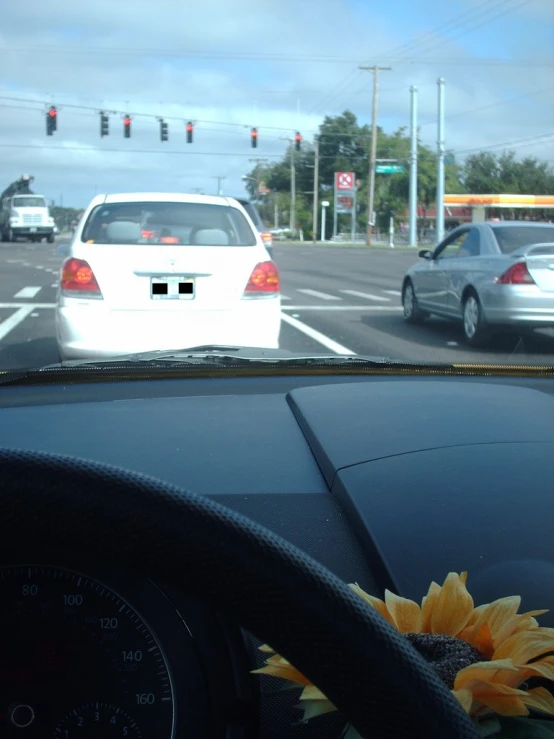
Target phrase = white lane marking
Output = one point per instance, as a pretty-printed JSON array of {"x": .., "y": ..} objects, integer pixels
[
  {"x": 27, "y": 305},
  {"x": 34, "y": 315},
  {"x": 397, "y": 293},
  {"x": 366, "y": 296},
  {"x": 316, "y": 335},
  {"x": 285, "y": 297},
  {"x": 14, "y": 320},
  {"x": 28, "y": 292},
  {"x": 317, "y": 294},
  {"x": 54, "y": 284},
  {"x": 360, "y": 308},
  {"x": 451, "y": 343}
]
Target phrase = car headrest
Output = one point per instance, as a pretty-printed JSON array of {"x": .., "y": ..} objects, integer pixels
[
  {"x": 123, "y": 232},
  {"x": 210, "y": 237}
]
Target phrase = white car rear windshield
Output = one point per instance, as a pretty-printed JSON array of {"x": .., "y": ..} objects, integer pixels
[
  {"x": 194, "y": 224},
  {"x": 28, "y": 201},
  {"x": 511, "y": 238}
]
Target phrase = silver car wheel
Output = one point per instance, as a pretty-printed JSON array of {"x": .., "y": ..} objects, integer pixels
[{"x": 471, "y": 316}]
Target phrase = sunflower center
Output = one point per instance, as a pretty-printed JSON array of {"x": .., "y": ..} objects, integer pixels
[{"x": 446, "y": 654}]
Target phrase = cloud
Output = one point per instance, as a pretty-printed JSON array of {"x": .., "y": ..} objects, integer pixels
[{"x": 277, "y": 64}]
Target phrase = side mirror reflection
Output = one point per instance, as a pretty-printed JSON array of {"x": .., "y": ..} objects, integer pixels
[{"x": 425, "y": 253}]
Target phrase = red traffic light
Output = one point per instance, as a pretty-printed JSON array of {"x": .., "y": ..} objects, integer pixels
[
  {"x": 297, "y": 141},
  {"x": 254, "y": 137},
  {"x": 190, "y": 129},
  {"x": 51, "y": 120},
  {"x": 127, "y": 127},
  {"x": 127, "y": 121}
]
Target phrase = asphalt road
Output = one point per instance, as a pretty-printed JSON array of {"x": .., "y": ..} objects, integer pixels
[{"x": 337, "y": 299}]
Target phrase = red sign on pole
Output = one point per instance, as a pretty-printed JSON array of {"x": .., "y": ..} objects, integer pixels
[{"x": 344, "y": 180}]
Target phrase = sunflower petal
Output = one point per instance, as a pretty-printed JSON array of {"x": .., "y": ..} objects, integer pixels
[
  {"x": 540, "y": 699},
  {"x": 494, "y": 672},
  {"x": 526, "y": 645},
  {"x": 405, "y": 613},
  {"x": 502, "y": 699},
  {"x": 312, "y": 693},
  {"x": 543, "y": 668},
  {"x": 453, "y": 607},
  {"x": 427, "y": 606},
  {"x": 377, "y": 603},
  {"x": 283, "y": 670},
  {"x": 465, "y": 697},
  {"x": 498, "y": 613},
  {"x": 480, "y": 637},
  {"x": 315, "y": 708}
]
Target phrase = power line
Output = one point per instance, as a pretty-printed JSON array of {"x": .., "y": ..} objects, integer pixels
[
  {"x": 425, "y": 38},
  {"x": 253, "y": 56},
  {"x": 486, "y": 11},
  {"x": 491, "y": 105},
  {"x": 516, "y": 142}
]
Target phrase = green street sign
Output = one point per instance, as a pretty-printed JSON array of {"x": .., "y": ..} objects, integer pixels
[{"x": 389, "y": 168}]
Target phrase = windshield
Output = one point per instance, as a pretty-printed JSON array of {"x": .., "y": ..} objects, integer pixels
[
  {"x": 27, "y": 201},
  {"x": 167, "y": 222},
  {"x": 511, "y": 239},
  {"x": 290, "y": 175}
]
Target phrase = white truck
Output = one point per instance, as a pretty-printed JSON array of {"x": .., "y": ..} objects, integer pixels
[{"x": 24, "y": 214}]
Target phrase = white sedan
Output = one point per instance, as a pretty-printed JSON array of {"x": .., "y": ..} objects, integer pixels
[{"x": 148, "y": 271}]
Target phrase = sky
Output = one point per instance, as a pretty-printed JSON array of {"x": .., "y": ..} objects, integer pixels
[{"x": 279, "y": 65}]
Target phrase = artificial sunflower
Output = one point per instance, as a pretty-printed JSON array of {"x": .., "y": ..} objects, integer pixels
[{"x": 485, "y": 654}]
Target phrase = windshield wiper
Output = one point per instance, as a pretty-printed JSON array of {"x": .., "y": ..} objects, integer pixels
[{"x": 220, "y": 354}]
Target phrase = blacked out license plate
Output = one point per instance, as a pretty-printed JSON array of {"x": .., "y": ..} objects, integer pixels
[{"x": 173, "y": 287}]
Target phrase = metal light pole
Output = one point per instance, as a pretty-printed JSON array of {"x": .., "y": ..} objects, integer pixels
[
  {"x": 324, "y": 206},
  {"x": 413, "y": 169},
  {"x": 439, "y": 222}
]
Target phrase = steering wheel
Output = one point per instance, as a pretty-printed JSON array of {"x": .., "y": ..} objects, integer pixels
[{"x": 372, "y": 674}]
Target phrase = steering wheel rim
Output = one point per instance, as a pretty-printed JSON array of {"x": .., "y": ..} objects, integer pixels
[{"x": 364, "y": 666}]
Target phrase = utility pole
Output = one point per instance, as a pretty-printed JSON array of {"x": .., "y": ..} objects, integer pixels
[
  {"x": 292, "y": 223},
  {"x": 316, "y": 189},
  {"x": 439, "y": 221},
  {"x": 292, "y": 217},
  {"x": 413, "y": 168},
  {"x": 260, "y": 161},
  {"x": 219, "y": 179},
  {"x": 373, "y": 154}
]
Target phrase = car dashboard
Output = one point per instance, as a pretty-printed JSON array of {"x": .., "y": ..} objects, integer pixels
[{"x": 388, "y": 481}]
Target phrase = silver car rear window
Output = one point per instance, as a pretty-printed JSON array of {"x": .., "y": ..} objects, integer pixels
[
  {"x": 167, "y": 223},
  {"x": 511, "y": 238}
]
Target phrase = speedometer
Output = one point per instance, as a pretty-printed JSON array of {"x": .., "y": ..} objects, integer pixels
[{"x": 76, "y": 660}]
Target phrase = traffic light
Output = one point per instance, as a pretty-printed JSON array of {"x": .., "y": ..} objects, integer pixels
[
  {"x": 127, "y": 127},
  {"x": 254, "y": 138},
  {"x": 190, "y": 129},
  {"x": 297, "y": 141},
  {"x": 164, "y": 134},
  {"x": 104, "y": 124},
  {"x": 51, "y": 121}
]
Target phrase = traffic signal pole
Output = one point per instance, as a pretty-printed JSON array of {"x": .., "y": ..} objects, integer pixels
[{"x": 373, "y": 152}]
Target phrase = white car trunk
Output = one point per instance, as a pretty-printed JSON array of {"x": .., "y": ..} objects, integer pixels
[
  {"x": 125, "y": 274},
  {"x": 541, "y": 269}
]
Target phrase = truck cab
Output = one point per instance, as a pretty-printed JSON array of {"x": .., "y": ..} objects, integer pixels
[{"x": 27, "y": 216}]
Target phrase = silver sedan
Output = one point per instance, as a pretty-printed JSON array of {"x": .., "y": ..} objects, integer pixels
[{"x": 488, "y": 276}]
